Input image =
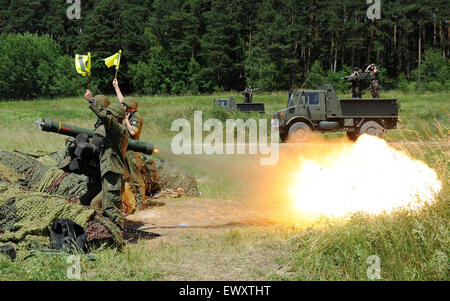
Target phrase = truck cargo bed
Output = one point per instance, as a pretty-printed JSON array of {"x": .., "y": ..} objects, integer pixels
[
  {"x": 251, "y": 107},
  {"x": 363, "y": 107}
]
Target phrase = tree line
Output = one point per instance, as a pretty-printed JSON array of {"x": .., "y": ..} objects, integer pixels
[{"x": 201, "y": 46}]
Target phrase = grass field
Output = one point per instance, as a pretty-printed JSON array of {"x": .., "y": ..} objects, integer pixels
[{"x": 412, "y": 245}]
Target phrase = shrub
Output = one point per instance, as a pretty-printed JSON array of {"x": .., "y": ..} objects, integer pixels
[
  {"x": 316, "y": 77},
  {"x": 434, "y": 73},
  {"x": 335, "y": 78},
  {"x": 433, "y": 86},
  {"x": 34, "y": 66}
]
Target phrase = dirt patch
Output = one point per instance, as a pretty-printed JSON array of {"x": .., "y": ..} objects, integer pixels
[{"x": 201, "y": 213}]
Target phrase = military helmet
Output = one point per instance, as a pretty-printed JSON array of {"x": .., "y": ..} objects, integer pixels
[
  {"x": 131, "y": 102},
  {"x": 117, "y": 110},
  {"x": 102, "y": 100}
]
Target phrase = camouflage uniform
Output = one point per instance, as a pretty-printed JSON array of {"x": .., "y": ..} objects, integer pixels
[
  {"x": 134, "y": 159},
  {"x": 112, "y": 159},
  {"x": 356, "y": 89},
  {"x": 374, "y": 84},
  {"x": 356, "y": 84},
  {"x": 248, "y": 93},
  {"x": 94, "y": 183}
]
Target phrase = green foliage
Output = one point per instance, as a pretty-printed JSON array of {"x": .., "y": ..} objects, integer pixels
[
  {"x": 434, "y": 72},
  {"x": 435, "y": 68},
  {"x": 316, "y": 77},
  {"x": 219, "y": 114},
  {"x": 34, "y": 67},
  {"x": 201, "y": 46},
  {"x": 335, "y": 78},
  {"x": 148, "y": 77}
]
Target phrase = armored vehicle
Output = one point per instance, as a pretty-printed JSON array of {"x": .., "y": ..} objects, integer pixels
[
  {"x": 230, "y": 105},
  {"x": 321, "y": 110}
]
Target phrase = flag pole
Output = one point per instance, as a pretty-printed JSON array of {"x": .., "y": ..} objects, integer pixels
[
  {"x": 118, "y": 64},
  {"x": 89, "y": 71}
]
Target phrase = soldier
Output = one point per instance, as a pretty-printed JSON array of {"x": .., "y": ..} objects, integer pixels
[
  {"x": 356, "y": 85},
  {"x": 248, "y": 93},
  {"x": 94, "y": 182},
  {"x": 112, "y": 158},
  {"x": 374, "y": 83},
  {"x": 134, "y": 123}
]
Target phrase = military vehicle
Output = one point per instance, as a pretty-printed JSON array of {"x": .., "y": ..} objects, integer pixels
[
  {"x": 230, "y": 105},
  {"x": 321, "y": 110}
]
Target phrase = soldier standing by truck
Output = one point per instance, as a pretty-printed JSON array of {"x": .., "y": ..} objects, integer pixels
[
  {"x": 112, "y": 158},
  {"x": 248, "y": 94},
  {"x": 134, "y": 123},
  {"x": 356, "y": 83},
  {"x": 374, "y": 83}
]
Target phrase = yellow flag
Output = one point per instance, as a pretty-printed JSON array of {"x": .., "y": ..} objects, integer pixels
[
  {"x": 83, "y": 64},
  {"x": 113, "y": 60}
]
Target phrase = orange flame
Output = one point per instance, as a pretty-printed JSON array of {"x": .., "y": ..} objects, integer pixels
[{"x": 367, "y": 176}]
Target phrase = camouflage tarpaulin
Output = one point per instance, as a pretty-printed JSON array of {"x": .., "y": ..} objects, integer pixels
[
  {"x": 26, "y": 216},
  {"x": 34, "y": 194},
  {"x": 48, "y": 178},
  {"x": 173, "y": 177}
]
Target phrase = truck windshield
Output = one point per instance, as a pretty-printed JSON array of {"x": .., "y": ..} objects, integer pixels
[
  {"x": 311, "y": 98},
  {"x": 223, "y": 103},
  {"x": 290, "y": 99}
]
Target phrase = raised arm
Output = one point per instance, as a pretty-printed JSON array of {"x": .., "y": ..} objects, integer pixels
[
  {"x": 97, "y": 108},
  {"x": 118, "y": 92}
]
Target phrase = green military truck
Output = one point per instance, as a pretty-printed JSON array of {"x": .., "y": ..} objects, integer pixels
[
  {"x": 321, "y": 110},
  {"x": 230, "y": 105}
]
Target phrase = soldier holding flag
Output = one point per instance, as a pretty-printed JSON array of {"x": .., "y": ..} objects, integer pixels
[{"x": 134, "y": 123}]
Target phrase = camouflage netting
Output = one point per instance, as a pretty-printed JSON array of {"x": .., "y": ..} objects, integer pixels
[
  {"x": 26, "y": 218},
  {"x": 173, "y": 177},
  {"x": 43, "y": 175},
  {"x": 39, "y": 175},
  {"x": 34, "y": 193}
]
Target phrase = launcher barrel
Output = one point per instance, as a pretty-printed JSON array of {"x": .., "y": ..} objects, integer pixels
[{"x": 49, "y": 125}]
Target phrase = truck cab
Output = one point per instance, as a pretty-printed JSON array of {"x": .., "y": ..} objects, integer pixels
[{"x": 320, "y": 110}]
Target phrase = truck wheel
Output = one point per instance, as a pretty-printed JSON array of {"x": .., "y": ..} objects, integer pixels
[
  {"x": 299, "y": 132},
  {"x": 353, "y": 136},
  {"x": 283, "y": 137},
  {"x": 372, "y": 128}
]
